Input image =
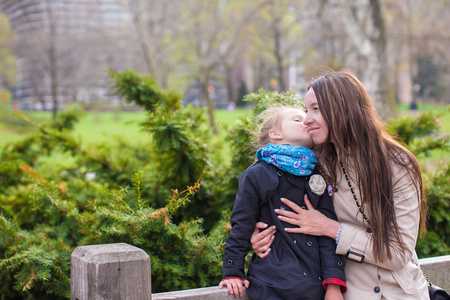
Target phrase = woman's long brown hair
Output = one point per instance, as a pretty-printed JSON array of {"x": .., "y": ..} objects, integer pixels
[{"x": 358, "y": 138}]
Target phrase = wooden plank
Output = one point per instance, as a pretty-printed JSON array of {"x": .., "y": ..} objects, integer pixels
[{"x": 208, "y": 293}]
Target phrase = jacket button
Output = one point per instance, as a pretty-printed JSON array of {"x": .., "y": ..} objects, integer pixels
[
  {"x": 377, "y": 289},
  {"x": 320, "y": 278},
  {"x": 230, "y": 262},
  {"x": 279, "y": 173},
  {"x": 309, "y": 243},
  {"x": 295, "y": 241},
  {"x": 340, "y": 263}
]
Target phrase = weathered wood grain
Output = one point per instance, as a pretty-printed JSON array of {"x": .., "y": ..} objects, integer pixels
[{"x": 110, "y": 272}]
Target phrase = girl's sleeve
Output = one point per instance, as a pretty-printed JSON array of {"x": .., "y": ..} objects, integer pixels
[
  {"x": 356, "y": 243},
  {"x": 243, "y": 220}
]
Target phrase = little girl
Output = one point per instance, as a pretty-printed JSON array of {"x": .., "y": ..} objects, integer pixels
[{"x": 298, "y": 266}]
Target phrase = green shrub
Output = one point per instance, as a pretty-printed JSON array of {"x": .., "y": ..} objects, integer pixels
[
  {"x": 144, "y": 91},
  {"x": 421, "y": 135},
  {"x": 437, "y": 240},
  {"x": 39, "y": 257},
  {"x": 57, "y": 194},
  {"x": 7, "y": 114}
]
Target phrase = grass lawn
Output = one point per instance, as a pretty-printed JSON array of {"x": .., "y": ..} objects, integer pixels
[
  {"x": 435, "y": 157},
  {"x": 423, "y": 107},
  {"x": 230, "y": 118},
  {"x": 96, "y": 127},
  {"x": 99, "y": 127},
  {"x": 8, "y": 136}
]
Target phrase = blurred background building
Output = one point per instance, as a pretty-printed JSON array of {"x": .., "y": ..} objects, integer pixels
[
  {"x": 61, "y": 48},
  {"x": 64, "y": 47}
]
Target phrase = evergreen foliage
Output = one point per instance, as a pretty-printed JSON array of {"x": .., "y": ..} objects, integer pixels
[
  {"x": 420, "y": 134},
  {"x": 242, "y": 92},
  {"x": 264, "y": 100},
  {"x": 6, "y": 117},
  {"x": 144, "y": 91},
  {"x": 437, "y": 240},
  {"x": 172, "y": 199}
]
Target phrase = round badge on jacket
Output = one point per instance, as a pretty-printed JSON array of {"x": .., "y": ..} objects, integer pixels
[{"x": 317, "y": 184}]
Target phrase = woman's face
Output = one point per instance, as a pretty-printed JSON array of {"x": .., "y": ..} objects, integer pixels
[{"x": 317, "y": 127}]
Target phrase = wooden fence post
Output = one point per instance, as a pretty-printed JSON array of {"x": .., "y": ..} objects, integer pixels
[{"x": 110, "y": 272}]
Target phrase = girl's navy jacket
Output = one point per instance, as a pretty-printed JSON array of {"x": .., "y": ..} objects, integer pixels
[{"x": 297, "y": 263}]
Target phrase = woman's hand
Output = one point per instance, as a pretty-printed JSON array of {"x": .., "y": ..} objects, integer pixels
[
  {"x": 261, "y": 241},
  {"x": 234, "y": 286},
  {"x": 310, "y": 221}
]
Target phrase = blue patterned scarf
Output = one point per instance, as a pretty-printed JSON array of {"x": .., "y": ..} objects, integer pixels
[{"x": 296, "y": 160}]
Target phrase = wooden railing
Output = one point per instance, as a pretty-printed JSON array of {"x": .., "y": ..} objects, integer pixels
[{"x": 122, "y": 271}]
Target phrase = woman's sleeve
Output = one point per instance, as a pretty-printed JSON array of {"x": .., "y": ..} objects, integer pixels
[
  {"x": 332, "y": 264},
  {"x": 356, "y": 244},
  {"x": 243, "y": 220}
]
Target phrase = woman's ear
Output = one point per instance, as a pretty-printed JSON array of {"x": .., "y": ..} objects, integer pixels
[{"x": 275, "y": 135}]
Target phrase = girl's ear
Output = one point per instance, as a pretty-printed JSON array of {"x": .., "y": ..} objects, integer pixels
[{"x": 275, "y": 135}]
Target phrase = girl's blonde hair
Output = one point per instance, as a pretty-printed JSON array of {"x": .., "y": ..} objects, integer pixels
[{"x": 271, "y": 119}]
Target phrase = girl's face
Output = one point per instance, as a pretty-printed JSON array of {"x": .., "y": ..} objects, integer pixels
[
  {"x": 317, "y": 127},
  {"x": 292, "y": 131}
]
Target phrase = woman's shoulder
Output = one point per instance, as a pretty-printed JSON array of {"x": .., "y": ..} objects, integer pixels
[{"x": 404, "y": 166}]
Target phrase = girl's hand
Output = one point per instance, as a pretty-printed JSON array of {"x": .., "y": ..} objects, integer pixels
[
  {"x": 261, "y": 241},
  {"x": 234, "y": 286},
  {"x": 310, "y": 221},
  {"x": 333, "y": 292}
]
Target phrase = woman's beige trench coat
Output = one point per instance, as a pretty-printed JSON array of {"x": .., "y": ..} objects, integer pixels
[{"x": 392, "y": 279}]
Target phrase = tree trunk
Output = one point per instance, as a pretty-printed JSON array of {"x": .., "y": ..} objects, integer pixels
[
  {"x": 204, "y": 83},
  {"x": 277, "y": 47},
  {"x": 144, "y": 39},
  {"x": 405, "y": 84},
  {"x": 278, "y": 57},
  {"x": 372, "y": 48},
  {"x": 53, "y": 61},
  {"x": 54, "y": 80},
  {"x": 229, "y": 81},
  {"x": 386, "y": 95}
]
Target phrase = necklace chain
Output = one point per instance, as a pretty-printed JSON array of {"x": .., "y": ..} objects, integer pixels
[
  {"x": 424, "y": 275},
  {"x": 367, "y": 220},
  {"x": 354, "y": 196}
]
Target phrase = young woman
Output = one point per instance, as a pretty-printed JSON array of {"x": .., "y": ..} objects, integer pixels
[
  {"x": 300, "y": 266},
  {"x": 378, "y": 194}
]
